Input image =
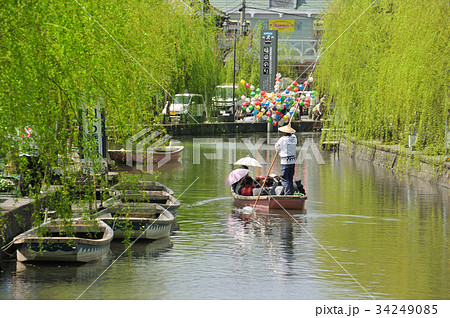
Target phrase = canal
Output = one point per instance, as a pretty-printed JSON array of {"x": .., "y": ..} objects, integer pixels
[{"x": 364, "y": 234}]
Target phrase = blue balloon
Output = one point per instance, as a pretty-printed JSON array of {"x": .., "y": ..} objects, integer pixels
[
  {"x": 255, "y": 112},
  {"x": 300, "y": 87},
  {"x": 286, "y": 91},
  {"x": 278, "y": 117}
]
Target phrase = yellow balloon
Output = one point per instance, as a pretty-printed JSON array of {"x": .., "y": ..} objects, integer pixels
[{"x": 242, "y": 82}]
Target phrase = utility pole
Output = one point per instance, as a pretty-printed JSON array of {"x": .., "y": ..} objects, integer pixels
[{"x": 242, "y": 10}]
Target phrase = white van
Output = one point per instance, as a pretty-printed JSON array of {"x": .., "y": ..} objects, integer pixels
[
  {"x": 223, "y": 101},
  {"x": 186, "y": 108}
]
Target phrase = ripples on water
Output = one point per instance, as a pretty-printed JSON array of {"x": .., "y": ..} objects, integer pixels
[{"x": 390, "y": 234}]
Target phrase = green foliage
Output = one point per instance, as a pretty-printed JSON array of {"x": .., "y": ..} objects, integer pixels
[
  {"x": 388, "y": 74},
  {"x": 53, "y": 55},
  {"x": 247, "y": 61}
]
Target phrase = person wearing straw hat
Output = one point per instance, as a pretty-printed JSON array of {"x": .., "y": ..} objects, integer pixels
[{"x": 286, "y": 148}]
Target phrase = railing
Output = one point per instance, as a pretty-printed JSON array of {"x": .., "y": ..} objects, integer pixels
[
  {"x": 297, "y": 49},
  {"x": 303, "y": 50}
]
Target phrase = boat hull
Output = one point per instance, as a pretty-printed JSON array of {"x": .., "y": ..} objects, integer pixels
[
  {"x": 136, "y": 222},
  {"x": 168, "y": 153},
  {"x": 287, "y": 202},
  {"x": 32, "y": 247},
  {"x": 148, "y": 200},
  {"x": 140, "y": 185}
]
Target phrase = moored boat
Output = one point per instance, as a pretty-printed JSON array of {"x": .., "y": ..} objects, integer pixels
[
  {"x": 148, "y": 199},
  {"x": 141, "y": 185},
  {"x": 59, "y": 241},
  {"x": 168, "y": 153},
  {"x": 138, "y": 220},
  {"x": 287, "y": 202}
]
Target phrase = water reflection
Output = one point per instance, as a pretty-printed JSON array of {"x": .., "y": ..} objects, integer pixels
[
  {"x": 277, "y": 230},
  {"x": 143, "y": 249},
  {"x": 391, "y": 233}
]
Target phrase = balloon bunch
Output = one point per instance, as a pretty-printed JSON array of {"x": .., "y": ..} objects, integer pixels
[{"x": 279, "y": 106}]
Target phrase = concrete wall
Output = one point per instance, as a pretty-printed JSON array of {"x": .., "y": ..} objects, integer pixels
[{"x": 213, "y": 129}]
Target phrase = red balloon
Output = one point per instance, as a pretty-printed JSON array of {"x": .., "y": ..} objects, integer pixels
[
  {"x": 274, "y": 123},
  {"x": 306, "y": 83},
  {"x": 306, "y": 100},
  {"x": 281, "y": 116},
  {"x": 306, "y": 104},
  {"x": 288, "y": 88},
  {"x": 257, "y": 103},
  {"x": 277, "y": 112},
  {"x": 247, "y": 85},
  {"x": 244, "y": 104},
  {"x": 294, "y": 83},
  {"x": 268, "y": 114},
  {"x": 296, "y": 89},
  {"x": 263, "y": 93},
  {"x": 279, "y": 95},
  {"x": 298, "y": 99}
]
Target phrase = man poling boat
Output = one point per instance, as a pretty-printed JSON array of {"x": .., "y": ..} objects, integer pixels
[{"x": 277, "y": 108}]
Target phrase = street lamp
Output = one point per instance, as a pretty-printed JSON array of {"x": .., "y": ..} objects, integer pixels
[{"x": 243, "y": 29}]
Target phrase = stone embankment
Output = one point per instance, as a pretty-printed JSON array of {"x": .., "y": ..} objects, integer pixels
[{"x": 399, "y": 160}]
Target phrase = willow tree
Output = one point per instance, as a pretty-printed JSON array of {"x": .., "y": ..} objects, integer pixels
[
  {"x": 55, "y": 54},
  {"x": 388, "y": 72},
  {"x": 247, "y": 60}
]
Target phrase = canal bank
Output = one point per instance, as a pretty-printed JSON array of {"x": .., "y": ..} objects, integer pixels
[
  {"x": 17, "y": 215},
  {"x": 399, "y": 160},
  {"x": 212, "y": 129}
]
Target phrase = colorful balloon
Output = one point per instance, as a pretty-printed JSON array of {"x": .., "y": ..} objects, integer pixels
[
  {"x": 247, "y": 85},
  {"x": 243, "y": 82}
]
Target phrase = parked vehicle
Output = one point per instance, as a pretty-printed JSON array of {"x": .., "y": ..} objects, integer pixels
[
  {"x": 223, "y": 102},
  {"x": 186, "y": 108}
]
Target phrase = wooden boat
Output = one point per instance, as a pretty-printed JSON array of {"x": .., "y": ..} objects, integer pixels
[
  {"x": 140, "y": 185},
  {"x": 287, "y": 202},
  {"x": 136, "y": 220},
  {"x": 57, "y": 241},
  {"x": 149, "y": 198},
  {"x": 159, "y": 153}
]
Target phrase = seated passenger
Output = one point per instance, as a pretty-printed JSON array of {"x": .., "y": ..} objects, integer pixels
[
  {"x": 259, "y": 182},
  {"x": 247, "y": 190}
]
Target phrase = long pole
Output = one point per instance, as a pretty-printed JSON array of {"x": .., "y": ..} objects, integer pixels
[
  {"x": 265, "y": 179},
  {"x": 234, "y": 75}
]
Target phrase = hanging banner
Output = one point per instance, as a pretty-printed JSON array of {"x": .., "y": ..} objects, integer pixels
[
  {"x": 282, "y": 25},
  {"x": 93, "y": 137}
]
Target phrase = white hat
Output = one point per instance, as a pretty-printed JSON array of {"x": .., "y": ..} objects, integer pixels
[{"x": 287, "y": 129}]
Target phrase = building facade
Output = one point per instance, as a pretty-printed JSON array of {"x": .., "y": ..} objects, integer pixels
[{"x": 297, "y": 22}]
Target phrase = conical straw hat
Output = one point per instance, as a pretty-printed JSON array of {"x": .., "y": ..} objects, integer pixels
[{"x": 287, "y": 129}]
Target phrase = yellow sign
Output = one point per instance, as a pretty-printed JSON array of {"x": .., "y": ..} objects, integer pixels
[{"x": 282, "y": 25}]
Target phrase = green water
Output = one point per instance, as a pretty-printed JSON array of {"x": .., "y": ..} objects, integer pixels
[{"x": 364, "y": 234}]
